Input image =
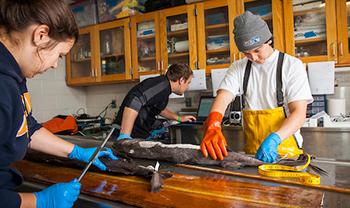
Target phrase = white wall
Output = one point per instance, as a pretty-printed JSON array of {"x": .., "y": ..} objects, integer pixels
[
  {"x": 50, "y": 96},
  {"x": 98, "y": 97}
]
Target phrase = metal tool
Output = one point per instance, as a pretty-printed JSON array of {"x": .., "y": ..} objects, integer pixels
[{"x": 95, "y": 155}]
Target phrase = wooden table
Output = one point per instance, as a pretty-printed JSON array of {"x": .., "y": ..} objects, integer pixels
[{"x": 181, "y": 190}]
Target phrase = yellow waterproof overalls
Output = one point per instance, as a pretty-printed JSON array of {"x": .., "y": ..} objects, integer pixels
[{"x": 258, "y": 124}]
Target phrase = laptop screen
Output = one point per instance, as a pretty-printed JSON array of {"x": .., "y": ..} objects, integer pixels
[{"x": 204, "y": 107}]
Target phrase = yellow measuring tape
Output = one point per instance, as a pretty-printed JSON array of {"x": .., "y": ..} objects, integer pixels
[{"x": 284, "y": 171}]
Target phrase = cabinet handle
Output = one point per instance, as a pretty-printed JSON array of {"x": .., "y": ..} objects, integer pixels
[
  {"x": 341, "y": 48},
  {"x": 333, "y": 49},
  {"x": 196, "y": 65},
  {"x": 161, "y": 65},
  {"x": 158, "y": 66},
  {"x": 234, "y": 57}
]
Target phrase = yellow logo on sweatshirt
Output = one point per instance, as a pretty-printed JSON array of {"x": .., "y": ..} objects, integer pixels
[{"x": 27, "y": 109}]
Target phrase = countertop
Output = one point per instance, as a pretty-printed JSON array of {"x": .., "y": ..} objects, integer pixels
[{"x": 337, "y": 177}]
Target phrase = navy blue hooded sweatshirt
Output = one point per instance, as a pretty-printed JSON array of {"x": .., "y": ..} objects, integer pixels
[{"x": 16, "y": 126}]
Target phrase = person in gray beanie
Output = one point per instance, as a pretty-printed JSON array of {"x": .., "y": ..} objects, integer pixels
[
  {"x": 274, "y": 90},
  {"x": 250, "y": 31}
]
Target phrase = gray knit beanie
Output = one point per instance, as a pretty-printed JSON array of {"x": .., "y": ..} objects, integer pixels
[{"x": 250, "y": 31}]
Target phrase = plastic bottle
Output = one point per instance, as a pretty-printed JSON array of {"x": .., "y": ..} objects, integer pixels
[
  {"x": 104, "y": 66},
  {"x": 107, "y": 45}
]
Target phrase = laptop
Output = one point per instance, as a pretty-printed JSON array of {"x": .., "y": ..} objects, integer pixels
[{"x": 203, "y": 110}]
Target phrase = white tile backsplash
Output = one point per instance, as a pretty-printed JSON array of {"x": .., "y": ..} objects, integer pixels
[
  {"x": 50, "y": 96},
  {"x": 98, "y": 97},
  {"x": 49, "y": 75},
  {"x": 48, "y": 102},
  {"x": 35, "y": 87},
  {"x": 342, "y": 77},
  {"x": 60, "y": 73}
]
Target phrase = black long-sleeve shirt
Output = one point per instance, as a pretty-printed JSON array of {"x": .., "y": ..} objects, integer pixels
[{"x": 149, "y": 98}]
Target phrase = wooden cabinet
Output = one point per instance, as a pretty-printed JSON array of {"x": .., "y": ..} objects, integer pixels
[
  {"x": 215, "y": 38},
  {"x": 114, "y": 57},
  {"x": 343, "y": 24},
  {"x": 201, "y": 35},
  {"x": 311, "y": 30},
  {"x": 162, "y": 38},
  {"x": 79, "y": 63},
  {"x": 178, "y": 36},
  {"x": 216, "y": 47},
  {"x": 145, "y": 41},
  {"x": 101, "y": 55}
]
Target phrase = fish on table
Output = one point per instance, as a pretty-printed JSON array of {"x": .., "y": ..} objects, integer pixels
[
  {"x": 129, "y": 150},
  {"x": 124, "y": 166}
]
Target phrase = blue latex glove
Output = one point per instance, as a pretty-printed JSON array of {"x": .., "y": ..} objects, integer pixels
[
  {"x": 156, "y": 133},
  {"x": 84, "y": 154},
  {"x": 267, "y": 151},
  {"x": 59, "y": 195},
  {"x": 123, "y": 136}
]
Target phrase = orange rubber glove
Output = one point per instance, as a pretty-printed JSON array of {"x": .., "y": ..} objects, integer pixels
[{"x": 214, "y": 141}]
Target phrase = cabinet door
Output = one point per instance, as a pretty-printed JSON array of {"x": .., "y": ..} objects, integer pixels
[
  {"x": 114, "y": 54},
  {"x": 145, "y": 44},
  {"x": 214, "y": 26},
  {"x": 80, "y": 64},
  {"x": 178, "y": 37},
  {"x": 343, "y": 22},
  {"x": 272, "y": 12},
  {"x": 313, "y": 33}
]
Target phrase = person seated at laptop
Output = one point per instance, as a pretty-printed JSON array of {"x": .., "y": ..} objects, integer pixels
[
  {"x": 275, "y": 97},
  {"x": 148, "y": 99}
]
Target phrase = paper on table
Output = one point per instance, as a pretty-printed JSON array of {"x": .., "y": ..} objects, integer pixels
[
  {"x": 321, "y": 77},
  {"x": 217, "y": 75},
  {"x": 172, "y": 95},
  {"x": 199, "y": 81}
]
